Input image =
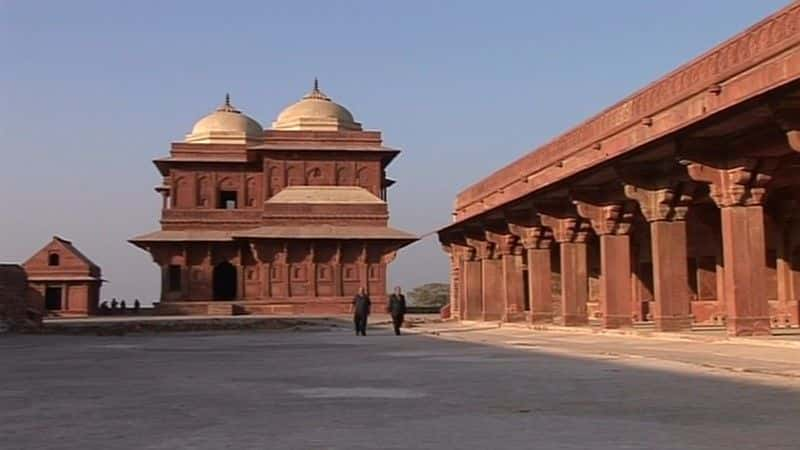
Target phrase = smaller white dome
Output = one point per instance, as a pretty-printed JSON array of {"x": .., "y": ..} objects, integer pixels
[{"x": 226, "y": 125}]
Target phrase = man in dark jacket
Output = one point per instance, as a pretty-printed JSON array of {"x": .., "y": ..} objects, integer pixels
[
  {"x": 361, "y": 305},
  {"x": 397, "y": 308}
]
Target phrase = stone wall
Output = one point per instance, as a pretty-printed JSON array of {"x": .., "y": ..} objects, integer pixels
[{"x": 13, "y": 284}]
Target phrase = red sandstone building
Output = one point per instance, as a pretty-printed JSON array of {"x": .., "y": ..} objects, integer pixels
[
  {"x": 677, "y": 206},
  {"x": 62, "y": 281},
  {"x": 291, "y": 219}
]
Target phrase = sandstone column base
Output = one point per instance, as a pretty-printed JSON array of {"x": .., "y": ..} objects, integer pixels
[{"x": 749, "y": 326}]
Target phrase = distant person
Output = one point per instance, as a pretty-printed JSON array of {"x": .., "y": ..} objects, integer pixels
[
  {"x": 104, "y": 309},
  {"x": 361, "y": 305},
  {"x": 397, "y": 309},
  {"x": 136, "y": 306},
  {"x": 114, "y": 305},
  {"x": 122, "y": 306}
]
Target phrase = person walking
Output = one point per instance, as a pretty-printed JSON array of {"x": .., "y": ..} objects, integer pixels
[
  {"x": 361, "y": 306},
  {"x": 397, "y": 309}
]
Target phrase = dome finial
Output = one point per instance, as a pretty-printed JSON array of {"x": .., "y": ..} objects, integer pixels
[
  {"x": 316, "y": 93},
  {"x": 227, "y": 105}
]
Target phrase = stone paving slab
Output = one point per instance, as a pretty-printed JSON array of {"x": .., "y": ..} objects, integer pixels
[{"x": 504, "y": 389}]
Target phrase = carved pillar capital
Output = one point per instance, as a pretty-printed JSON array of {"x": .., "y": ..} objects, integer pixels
[
  {"x": 612, "y": 218},
  {"x": 669, "y": 203},
  {"x": 532, "y": 237},
  {"x": 469, "y": 253},
  {"x": 739, "y": 181},
  {"x": 481, "y": 248},
  {"x": 567, "y": 229},
  {"x": 503, "y": 243}
]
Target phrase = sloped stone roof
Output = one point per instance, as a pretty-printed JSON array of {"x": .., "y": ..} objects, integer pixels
[{"x": 325, "y": 194}]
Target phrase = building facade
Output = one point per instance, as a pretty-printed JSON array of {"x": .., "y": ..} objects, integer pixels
[
  {"x": 292, "y": 219},
  {"x": 62, "y": 281},
  {"x": 678, "y": 206}
]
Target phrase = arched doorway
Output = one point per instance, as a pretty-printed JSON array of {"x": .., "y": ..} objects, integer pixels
[{"x": 224, "y": 281}]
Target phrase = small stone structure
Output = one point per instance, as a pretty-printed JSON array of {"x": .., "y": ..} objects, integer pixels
[
  {"x": 62, "y": 281},
  {"x": 13, "y": 283}
]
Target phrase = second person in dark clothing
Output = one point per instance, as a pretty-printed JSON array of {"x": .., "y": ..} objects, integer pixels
[
  {"x": 361, "y": 306},
  {"x": 397, "y": 308}
]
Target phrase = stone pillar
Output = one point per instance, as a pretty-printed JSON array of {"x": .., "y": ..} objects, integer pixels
[
  {"x": 164, "y": 282},
  {"x": 785, "y": 220},
  {"x": 491, "y": 274},
  {"x": 737, "y": 186},
  {"x": 338, "y": 282},
  {"x": 571, "y": 234},
  {"x": 612, "y": 223},
  {"x": 185, "y": 275},
  {"x": 363, "y": 266},
  {"x": 240, "y": 281},
  {"x": 665, "y": 207},
  {"x": 455, "y": 255},
  {"x": 512, "y": 283},
  {"x": 491, "y": 283},
  {"x": 536, "y": 240},
  {"x": 460, "y": 288},
  {"x": 266, "y": 280},
  {"x": 473, "y": 289}
]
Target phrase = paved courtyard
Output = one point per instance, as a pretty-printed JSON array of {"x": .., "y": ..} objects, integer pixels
[{"x": 328, "y": 389}]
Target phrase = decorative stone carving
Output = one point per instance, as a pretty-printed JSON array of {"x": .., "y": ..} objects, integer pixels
[
  {"x": 503, "y": 243},
  {"x": 534, "y": 237},
  {"x": 567, "y": 229},
  {"x": 607, "y": 219},
  {"x": 736, "y": 181}
]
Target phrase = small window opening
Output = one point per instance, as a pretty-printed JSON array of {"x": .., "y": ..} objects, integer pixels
[
  {"x": 227, "y": 200},
  {"x": 53, "y": 259}
]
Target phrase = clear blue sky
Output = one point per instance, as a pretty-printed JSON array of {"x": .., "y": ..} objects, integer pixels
[{"x": 91, "y": 92}]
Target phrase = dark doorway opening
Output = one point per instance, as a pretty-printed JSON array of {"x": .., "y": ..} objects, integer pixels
[
  {"x": 52, "y": 298},
  {"x": 174, "y": 278},
  {"x": 224, "y": 281}
]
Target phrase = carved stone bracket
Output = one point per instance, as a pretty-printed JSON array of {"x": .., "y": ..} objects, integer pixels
[
  {"x": 503, "y": 243},
  {"x": 738, "y": 181},
  {"x": 567, "y": 229},
  {"x": 387, "y": 258},
  {"x": 614, "y": 218},
  {"x": 662, "y": 204},
  {"x": 482, "y": 249},
  {"x": 535, "y": 237}
]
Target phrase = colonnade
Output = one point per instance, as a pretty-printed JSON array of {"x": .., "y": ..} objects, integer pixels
[{"x": 534, "y": 260}]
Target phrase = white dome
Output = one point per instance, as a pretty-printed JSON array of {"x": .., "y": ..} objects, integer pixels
[
  {"x": 225, "y": 125},
  {"x": 315, "y": 111}
]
